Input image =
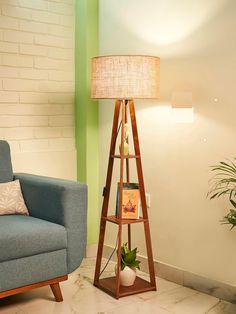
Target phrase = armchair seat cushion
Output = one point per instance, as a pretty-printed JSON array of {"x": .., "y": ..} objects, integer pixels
[{"x": 22, "y": 236}]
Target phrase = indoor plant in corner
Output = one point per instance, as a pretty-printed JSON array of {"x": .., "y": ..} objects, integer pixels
[
  {"x": 224, "y": 184},
  {"x": 128, "y": 264}
]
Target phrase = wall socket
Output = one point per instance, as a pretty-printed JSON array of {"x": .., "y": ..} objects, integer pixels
[{"x": 148, "y": 200}]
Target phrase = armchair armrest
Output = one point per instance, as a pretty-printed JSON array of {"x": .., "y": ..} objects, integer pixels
[{"x": 59, "y": 201}]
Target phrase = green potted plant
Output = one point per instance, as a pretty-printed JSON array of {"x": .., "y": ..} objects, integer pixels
[
  {"x": 128, "y": 265},
  {"x": 224, "y": 184}
]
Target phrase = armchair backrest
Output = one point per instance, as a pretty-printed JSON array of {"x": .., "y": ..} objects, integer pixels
[{"x": 6, "y": 173}]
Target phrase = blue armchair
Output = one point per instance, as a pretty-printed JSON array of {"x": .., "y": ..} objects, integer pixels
[{"x": 43, "y": 248}]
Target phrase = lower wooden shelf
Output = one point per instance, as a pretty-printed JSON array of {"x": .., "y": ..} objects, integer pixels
[{"x": 109, "y": 286}]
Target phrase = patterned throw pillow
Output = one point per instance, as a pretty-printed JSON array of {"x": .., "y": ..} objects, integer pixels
[{"x": 11, "y": 199}]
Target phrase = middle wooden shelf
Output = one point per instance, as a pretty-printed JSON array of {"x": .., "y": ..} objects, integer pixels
[{"x": 116, "y": 220}]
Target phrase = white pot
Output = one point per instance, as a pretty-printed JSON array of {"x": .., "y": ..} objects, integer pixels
[{"x": 127, "y": 276}]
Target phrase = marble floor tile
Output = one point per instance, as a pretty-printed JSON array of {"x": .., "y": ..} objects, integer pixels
[
  {"x": 144, "y": 307},
  {"x": 10, "y": 310},
  {"x": 163, "y": 286},
  {"x": 81, "y": 297},
  {"x": 170, "y": 298},
  {"x": 198, "y": 303},
  {"x": 223, "y": 308}
]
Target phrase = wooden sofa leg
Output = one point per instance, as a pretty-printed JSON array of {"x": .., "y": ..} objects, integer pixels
[{"x": 56, "y": 290}]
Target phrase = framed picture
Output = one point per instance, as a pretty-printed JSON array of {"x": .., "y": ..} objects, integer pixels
[{"x": 130, "y": 201}]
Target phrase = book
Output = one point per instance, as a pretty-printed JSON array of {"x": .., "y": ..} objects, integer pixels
[{"x": 130, "y": 201}]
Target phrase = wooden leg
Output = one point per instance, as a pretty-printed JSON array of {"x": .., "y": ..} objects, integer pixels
[
  {"x": 107, "y": 193},
  {"x": 56, "y": 290},
  {"x": 142, "y": 194},
  {"x": 127, "y": 176},
  {"x": 117, "y": 293},
  {"x": 99, "y": 252},
  {"x": 129, "y": 237}
]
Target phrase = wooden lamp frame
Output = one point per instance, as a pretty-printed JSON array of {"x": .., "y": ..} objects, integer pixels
[{"x": 112, "y": 285}]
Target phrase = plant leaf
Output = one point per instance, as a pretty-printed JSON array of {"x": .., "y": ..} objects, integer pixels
[
  {"x": 129, "y": 257},
  {"x": 233, "y": 203}
]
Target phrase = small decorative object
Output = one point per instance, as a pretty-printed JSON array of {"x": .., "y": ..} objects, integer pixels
[
  {"x": 224, "y": 184},
  {"x": 126, "y": 141},
  {"x": 128, "y": 264},
  {"x": 130, "y": 201}
]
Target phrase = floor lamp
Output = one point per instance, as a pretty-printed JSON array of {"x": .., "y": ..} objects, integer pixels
[{"x": 124, "y": 78}]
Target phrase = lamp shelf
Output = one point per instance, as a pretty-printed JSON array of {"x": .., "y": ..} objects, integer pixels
[
  {"x": 140, "y": 285},
  {"x": 116, "y": 220},
  {"x": 126, "y": 156}
]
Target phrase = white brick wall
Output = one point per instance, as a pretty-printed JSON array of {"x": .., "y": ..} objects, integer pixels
[{"x": 37, "y": 75}]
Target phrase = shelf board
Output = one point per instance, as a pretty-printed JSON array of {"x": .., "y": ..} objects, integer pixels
[
  {"x": 126, "y": 156},
  {"x": 109, "y": 286},
  {"x": 115, "y": 220}
]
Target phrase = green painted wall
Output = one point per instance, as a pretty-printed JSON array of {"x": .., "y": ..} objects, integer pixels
[{"x": 86, "y": 46}]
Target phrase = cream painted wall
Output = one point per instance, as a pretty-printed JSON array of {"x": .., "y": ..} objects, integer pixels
[
  {"x": 37, "y": 85},
  {"x": 197, "y": 46}
]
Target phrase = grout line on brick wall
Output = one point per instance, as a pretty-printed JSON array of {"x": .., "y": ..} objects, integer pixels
[
  {"x": 59, "y": 15},
  {"x": 46, "y": 10}
]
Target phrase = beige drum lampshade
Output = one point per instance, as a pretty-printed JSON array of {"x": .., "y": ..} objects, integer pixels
[{"x": 125, "y": 77}]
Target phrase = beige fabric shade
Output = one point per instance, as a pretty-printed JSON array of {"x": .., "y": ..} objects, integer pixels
[{"x": 125, "y": 77}]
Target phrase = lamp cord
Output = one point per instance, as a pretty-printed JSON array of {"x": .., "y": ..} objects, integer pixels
[{"x": 109, "y": 257}]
